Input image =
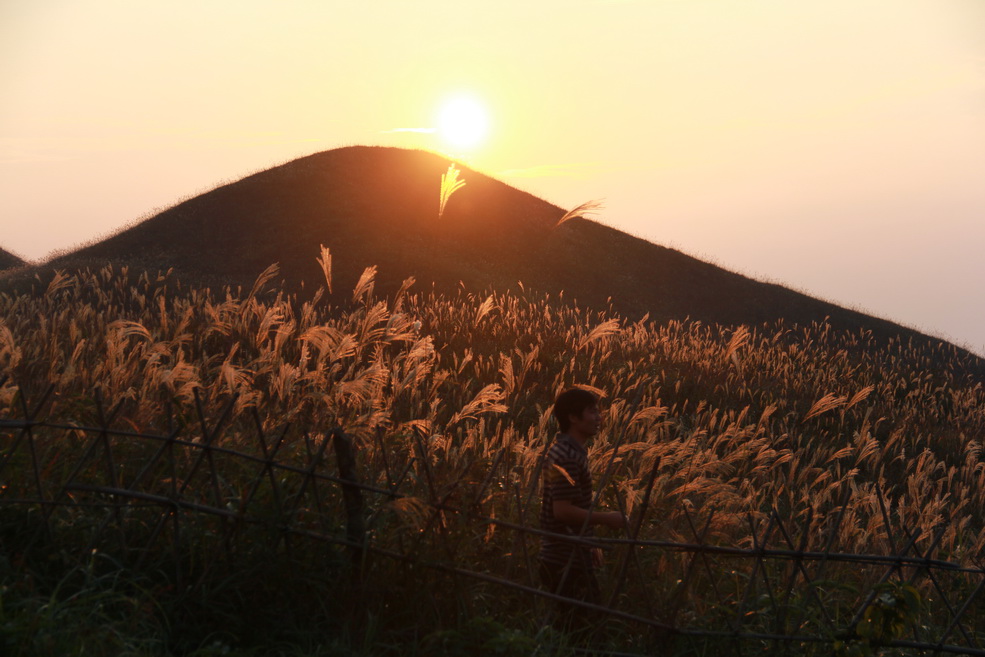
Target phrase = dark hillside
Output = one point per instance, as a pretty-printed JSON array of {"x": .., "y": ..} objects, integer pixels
[
  {"x": 371, "y": 206},
  {"x": 379, "y": 206},
  {"x": 8, "y": 260}
]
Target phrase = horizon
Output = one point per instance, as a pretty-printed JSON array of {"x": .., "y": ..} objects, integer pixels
[{"x": 835, "y": 149}]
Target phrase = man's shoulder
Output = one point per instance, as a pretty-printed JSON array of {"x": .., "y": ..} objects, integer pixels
[{"x": 565, "y": 448}]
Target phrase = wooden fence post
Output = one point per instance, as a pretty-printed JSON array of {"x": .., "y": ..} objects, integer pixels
[{"x": 351, "y": 496}]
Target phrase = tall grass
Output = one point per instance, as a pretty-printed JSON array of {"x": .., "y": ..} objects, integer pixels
[
  {"x": 449, "y": 185},
  {"x": 742, "y": 420}
]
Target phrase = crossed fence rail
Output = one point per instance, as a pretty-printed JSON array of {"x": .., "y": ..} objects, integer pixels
[{"x": 149, "y": 493}]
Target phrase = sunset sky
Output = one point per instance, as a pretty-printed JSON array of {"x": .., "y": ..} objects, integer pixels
[{"x": 836, "y": 147}]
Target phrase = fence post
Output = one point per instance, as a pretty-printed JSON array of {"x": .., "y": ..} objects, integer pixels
[{"x": 351, "y": 495}]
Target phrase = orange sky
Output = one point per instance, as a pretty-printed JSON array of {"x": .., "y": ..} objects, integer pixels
[{"x": 837, "y": 147}]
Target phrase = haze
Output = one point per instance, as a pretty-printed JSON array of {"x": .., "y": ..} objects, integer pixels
[{"x": 835, "y": 147}]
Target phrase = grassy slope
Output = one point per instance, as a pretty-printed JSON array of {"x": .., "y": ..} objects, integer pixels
[
  {"x": 8, "y": 260},
  {"x": 378, "y": 206}
]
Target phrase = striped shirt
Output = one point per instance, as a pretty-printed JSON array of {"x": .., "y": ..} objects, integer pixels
[{"x": 565, "y": 476}]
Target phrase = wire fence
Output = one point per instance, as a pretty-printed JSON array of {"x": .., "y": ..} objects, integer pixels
[{"x": 208, "y": 483}]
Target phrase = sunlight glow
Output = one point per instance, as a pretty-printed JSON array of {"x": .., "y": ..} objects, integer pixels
[{"x": 462, "y": 122}]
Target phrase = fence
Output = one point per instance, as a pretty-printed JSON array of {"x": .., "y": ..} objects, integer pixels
[{"x": 156, "y": 494}]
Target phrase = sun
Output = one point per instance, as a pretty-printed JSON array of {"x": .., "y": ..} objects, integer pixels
[{"x": 463, "y": 122}]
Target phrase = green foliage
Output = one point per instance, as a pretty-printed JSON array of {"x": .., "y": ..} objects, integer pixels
[
  {"x": 91, "y": 610},
  {"x": 479, "y": 636},
  {"x": 895, "y": 609}
]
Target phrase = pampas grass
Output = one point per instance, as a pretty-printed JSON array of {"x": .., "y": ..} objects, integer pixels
[
  {"x": 582, "y": 211},
  {"x": 455, "y": 392},
  {"x": 449, "y": 185}
]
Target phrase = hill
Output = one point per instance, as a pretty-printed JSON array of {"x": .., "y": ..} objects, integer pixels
[
  {"x": 183, "y": 464},
  {"x": 379, "y": 206},
  {"x": 8, "y": 260}
]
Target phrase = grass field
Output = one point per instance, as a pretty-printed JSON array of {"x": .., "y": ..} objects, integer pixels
[{"x": 739, "y": 420}]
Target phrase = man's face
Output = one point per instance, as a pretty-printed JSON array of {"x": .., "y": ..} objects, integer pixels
[{"x": 588, "y": 423}]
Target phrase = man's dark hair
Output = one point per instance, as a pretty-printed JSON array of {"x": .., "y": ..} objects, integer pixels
[{"x": 572, "y": 401}]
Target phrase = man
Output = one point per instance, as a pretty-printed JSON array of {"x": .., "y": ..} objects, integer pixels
[{"x": 568, "y": 568}]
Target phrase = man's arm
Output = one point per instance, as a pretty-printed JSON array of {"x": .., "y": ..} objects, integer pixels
[{"x": 574, "y": 516}]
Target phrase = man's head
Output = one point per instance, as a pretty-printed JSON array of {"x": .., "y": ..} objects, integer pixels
[{"x": 571, "y": 406}]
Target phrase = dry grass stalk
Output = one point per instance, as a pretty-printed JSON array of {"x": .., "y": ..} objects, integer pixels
[
  {"x": 325, "y": 262},
  {"x": 449, "y": 185},
  {"x": 582, "y": 211}
]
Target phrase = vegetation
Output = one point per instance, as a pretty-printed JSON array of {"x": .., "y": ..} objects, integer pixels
[
  {"x": 449, "y": 185},
  {"x": 376, "y": 206},
  {"x": 8, "y": 260},
  {"x": 733, "y": 422}
]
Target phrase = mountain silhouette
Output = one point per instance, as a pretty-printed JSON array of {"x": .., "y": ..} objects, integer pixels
[
  {"x": 379, "y": 206},
  {"x": 8, "y": 260}
]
